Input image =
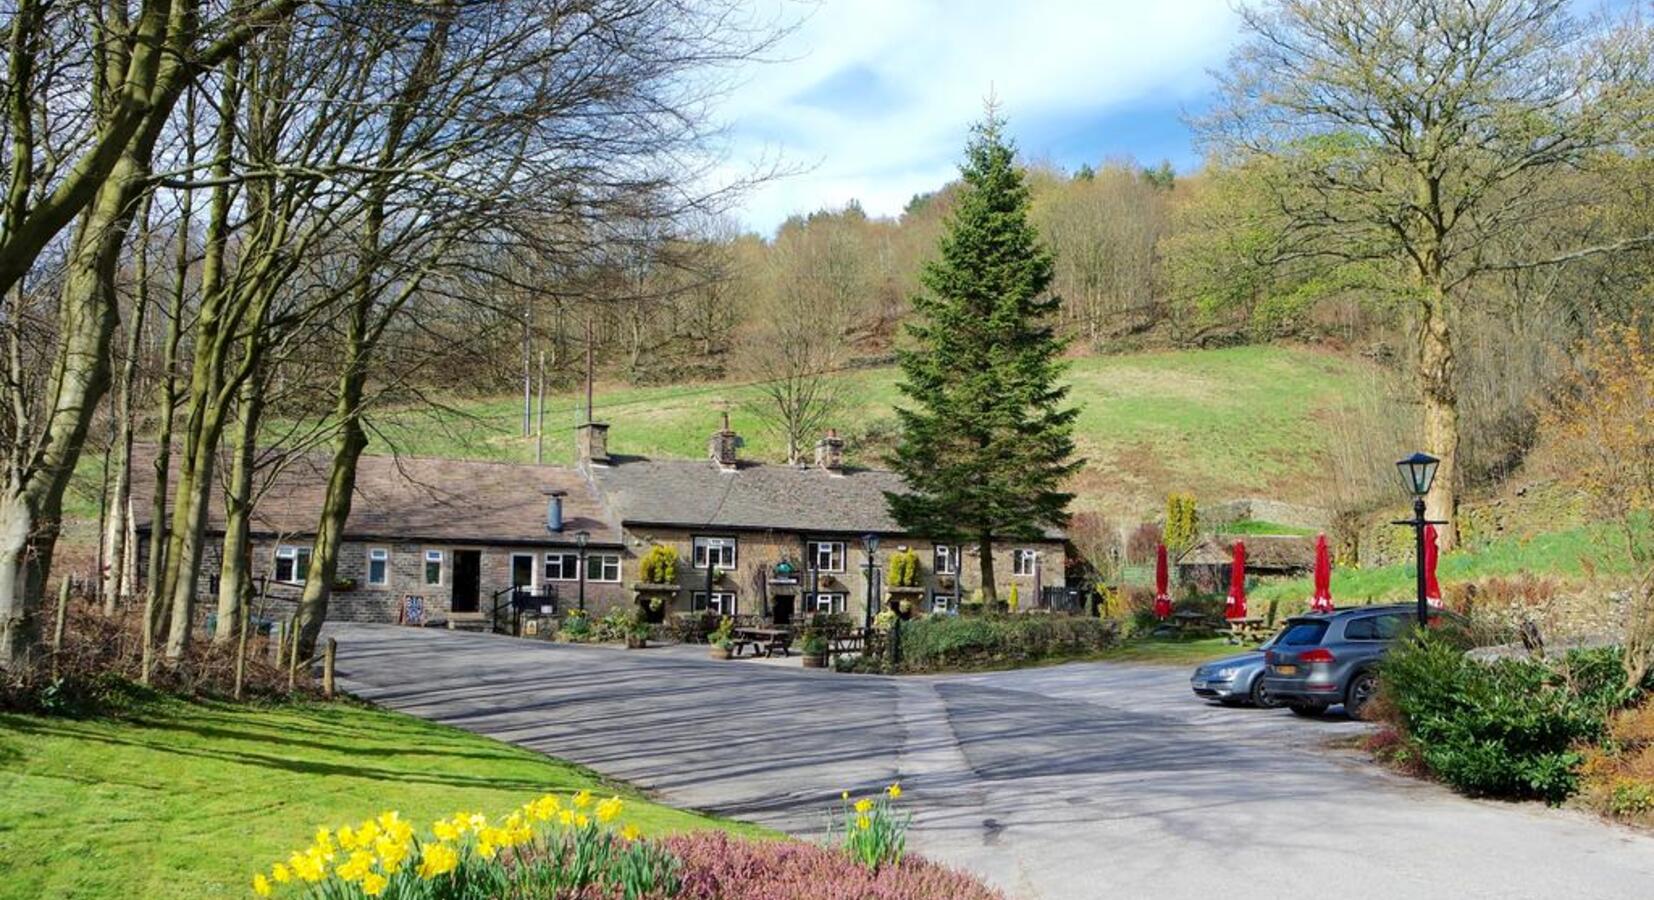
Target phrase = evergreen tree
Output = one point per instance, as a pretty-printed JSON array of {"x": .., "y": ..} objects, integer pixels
[{"x": 986, "y": 443}]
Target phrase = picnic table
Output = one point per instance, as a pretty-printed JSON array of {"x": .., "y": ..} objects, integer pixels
[
  {"x": 1188, "y": 620},
  {"x": 1248, "y": 629},
  {"x": 765, "y": 641}
]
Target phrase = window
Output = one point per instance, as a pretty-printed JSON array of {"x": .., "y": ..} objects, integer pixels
[
  {"x": 1023, "y": 561},
  {"x": 1302, "y": 634},
  {"x": 562, "y": 566},
  {"x": 720, "y": 551},
  {"x": 433, "y": 566},
  {"x": 947, "y": 560},
  {"x": 379, "y": 565},
  {"x": 1374, "y": 628},
  {"x": 827, "y": 556},
  {"x": 825, "y": 602},
  {"x": 603, "y": 567},
  {"x": 723, "y": 602},
  {"x": 292, "y": 564},
  {"x": 944, "y": 603}
]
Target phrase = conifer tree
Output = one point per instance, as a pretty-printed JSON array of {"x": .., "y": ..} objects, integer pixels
[{"x": 986, "y": 442}]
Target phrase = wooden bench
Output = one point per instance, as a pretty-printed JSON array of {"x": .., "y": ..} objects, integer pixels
[
  {"x": 1249, "y": 630},
  {"x": 767, "y": 641}
]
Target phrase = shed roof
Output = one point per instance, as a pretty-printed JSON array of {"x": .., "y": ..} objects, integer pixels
[{"x": 1263, "y": 551}]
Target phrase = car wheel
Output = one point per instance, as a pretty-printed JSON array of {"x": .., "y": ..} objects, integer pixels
[
  {"x": 1362, "y": 690},
  {"x": 1307, "y": 710},
  {"x": 1261, "y": 697}
]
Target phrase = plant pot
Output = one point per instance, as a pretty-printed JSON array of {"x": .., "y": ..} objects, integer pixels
[
  {"x": 634, "y": 642},
  {"x": 815, "y": 660}
]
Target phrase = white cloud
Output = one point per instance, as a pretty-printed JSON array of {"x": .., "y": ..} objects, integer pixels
[{"x": 877, "y": 96}]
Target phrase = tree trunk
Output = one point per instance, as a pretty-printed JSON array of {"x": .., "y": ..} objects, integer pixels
[
  {"x": 985, "y": 546},
  {"x": 115, "y": 549},
  {"x": 235, "y": 576},
  {"x": 330, "y": 529},
  {"x": 1436, "y": 370}
]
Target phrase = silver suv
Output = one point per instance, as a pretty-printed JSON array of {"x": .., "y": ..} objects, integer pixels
[{"x": 1323, "y": 659}]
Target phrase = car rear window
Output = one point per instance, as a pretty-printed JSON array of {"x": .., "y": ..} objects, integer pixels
[{"x": 1302, "y": 634}]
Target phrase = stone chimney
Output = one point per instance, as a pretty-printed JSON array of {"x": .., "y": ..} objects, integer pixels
[
  {"x": 723, "y": 446},
  {"x": 591, "y": 444},
  {"x": 830, "y": 452}
]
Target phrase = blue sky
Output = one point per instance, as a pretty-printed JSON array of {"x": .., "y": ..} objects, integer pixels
[{"x": 874, "y": 97}]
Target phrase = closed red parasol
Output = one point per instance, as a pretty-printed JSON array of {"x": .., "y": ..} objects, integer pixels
[
  {"x": 1162, "y": 579},
  {"x": 1235, "y": 606},
  {"x": 1322, "y": 602},
  {"x": 1432, "y": 587}
]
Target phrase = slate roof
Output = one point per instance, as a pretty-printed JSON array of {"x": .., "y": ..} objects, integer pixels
[
  {"x": 1263, "y": 551},
  {"x": 414, "y": 499}
]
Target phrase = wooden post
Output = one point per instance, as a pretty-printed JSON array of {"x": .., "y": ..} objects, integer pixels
[
  {"x": 62, "y": 616},
  {"x": 241, "y": 654},
  {"x": 278, "y": 630},
  {"x": 328, "y": 657},
  {"x": 293, "y": 655}
]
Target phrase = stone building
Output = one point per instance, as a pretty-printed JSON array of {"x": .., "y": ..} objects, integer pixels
[{"x": 444, "y": 538}]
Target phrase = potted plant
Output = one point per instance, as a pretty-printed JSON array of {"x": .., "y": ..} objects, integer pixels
[
  {"x": 636, "y": 629},
  {"x": 719, "y": 640},
  {"x": 815, "y": 650},
  {"x": 344, "y": 584}
]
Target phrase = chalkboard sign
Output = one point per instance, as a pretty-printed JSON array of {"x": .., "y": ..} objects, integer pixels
[{"x": 413, "y": 610}]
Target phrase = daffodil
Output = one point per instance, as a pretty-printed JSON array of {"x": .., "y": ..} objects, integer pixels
[
  {"x": 565, "y": 817},
  {"x": 281, "y": 873},
  {"x": 608, "y": 809},
  {"x": 630, "y": 833},
  {"x": 844, "y": 795},
  {"x": 863, "y": 822},
  {"x": 864, "y": 805},
  {"x": 581, "y": 821},
  {"x": 261, "y": 885},
  {"x": 374, "y": 884},
  {"x": 445, "y": 831},
  {"x": 895, "y": 790},
  {"x": 437, "y": 859},
  {"x": 486, "y": 850},
  {"x": 582, "y": 799}
]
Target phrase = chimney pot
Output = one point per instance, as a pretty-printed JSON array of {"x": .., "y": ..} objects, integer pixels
[
  {"x": 830, "y": 452},
  {"x": 724, "y": 446},
  {"x": 591, "y": 444}
]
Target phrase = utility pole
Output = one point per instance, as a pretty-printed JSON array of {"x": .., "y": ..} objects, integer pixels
[{"x": 540, "y": 428}]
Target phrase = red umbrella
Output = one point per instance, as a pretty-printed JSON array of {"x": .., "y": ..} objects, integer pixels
[
  {"x": 1162, "y": 600},
  {"x": 1323, "y": 577},
  {"x": 1235, "y": 608},
  {"x": 1432, "y": 587}
]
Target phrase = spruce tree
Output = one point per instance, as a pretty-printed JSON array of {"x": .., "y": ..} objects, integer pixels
[{"x": 986, "y": 442}]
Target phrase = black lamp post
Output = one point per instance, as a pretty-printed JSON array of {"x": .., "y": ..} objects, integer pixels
[
  {"x": 580, "y": 539},
  {"x": 1418, "y": 471},
  {"x": 871, "y": 542}
]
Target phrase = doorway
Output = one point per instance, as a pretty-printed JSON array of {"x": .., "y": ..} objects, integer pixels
[
  {"x": 782, "y": 606},
  {"x": 522, "y": 570},
  {"x": 467, "y": 581}
]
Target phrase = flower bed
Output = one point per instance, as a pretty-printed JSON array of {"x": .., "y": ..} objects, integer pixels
[
  {"x": 941, "y": 643},
  {"x": 718, "y": 867}
]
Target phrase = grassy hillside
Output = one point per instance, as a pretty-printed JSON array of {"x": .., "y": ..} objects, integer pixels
[
  {"x": 187, "y": 799},
  {"x": 1224, "y": 423}
]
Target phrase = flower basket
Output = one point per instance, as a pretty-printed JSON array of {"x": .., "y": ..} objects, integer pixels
[{"x": 719, "y": 651}]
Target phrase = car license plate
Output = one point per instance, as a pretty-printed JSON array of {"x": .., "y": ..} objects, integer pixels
[{"x": 1286, "y": 670}]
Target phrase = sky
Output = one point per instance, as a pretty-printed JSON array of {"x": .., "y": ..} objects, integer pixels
[{"x": 873, "y": 99}]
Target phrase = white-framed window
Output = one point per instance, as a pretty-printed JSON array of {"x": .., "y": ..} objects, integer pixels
[
  {"x": 825, "y": 602},
  {"x": 722, "y": 602},
  {"x": 944, "y": 603},
  {"x": 379, "y": 565},
  {"x": 562, "y": 566},
  {"x": 1023, "y": 561},
  {"x": 603, "y": 567},
  {"x": 827, "y": 556},
  {"x": 946, "y": 560},
  {"x": 717, "y": 551},
  {"x": 434, "y": 560},
  {"x": 292, "y": 564}
]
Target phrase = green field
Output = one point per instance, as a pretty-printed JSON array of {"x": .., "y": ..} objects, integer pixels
[
  {"x": 185, "y": 799},
  {"x": 1244, "y": 421}
]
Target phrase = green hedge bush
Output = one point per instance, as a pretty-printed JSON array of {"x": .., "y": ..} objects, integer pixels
[
  {"x": 1509, "y": 728},
  {"x": 961, "y": 642}
]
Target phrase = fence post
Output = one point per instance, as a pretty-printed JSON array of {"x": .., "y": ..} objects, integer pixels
[
  {"x": 62, "y": 616},
  {"x": 328, "y": 657},
  {"x": 241, "y": 653},
  {"x": 293, "y": 656}
]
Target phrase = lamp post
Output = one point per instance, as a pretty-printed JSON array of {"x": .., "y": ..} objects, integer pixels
[
  {"x": 1418, "y": 471},
  {"x": 871, "y": 543},
  {"x": 580, "y": 539}
]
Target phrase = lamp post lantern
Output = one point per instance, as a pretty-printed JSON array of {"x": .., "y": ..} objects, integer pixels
[
  {"x": 871, "y": 542},
  {"x": 1418, "y": 471},
  {"x": 580, "y": 539}
]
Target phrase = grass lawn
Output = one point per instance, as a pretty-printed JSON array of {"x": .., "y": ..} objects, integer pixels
[
  {"x": 1169, "y": 651},
  {"x": 187, "y": 799},
  {"x": 1241, "y": 421}
]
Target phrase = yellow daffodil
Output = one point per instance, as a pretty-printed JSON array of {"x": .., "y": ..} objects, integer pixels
[
  {"x": 478, "y": 821},
  {"x": 357, "y": 867},
  {"x": 581, "y": 821},
  {"x": 582, "y": 799},
  {"x": 445, "y": 831},
  {"x": 261, "y": 885},
  {"x": 864, "y": 823},
  {"x": 392, "y": 852},
  {"x": 281, "y": 873},
  {"x": 864, "y": 805},
  {"x": 630, "y": 833},
  {"x": 844, "y": 795},
  {"x": 347, "y": 838},
  {"x": 374, "y": 884},
  {"x": 608, "y": 809},
  {"x": 565, "y": 817},
  {"x": 486, "y": 850},
  {"x": 895, "y": 791},
  {"x": 437, "y": 859}
]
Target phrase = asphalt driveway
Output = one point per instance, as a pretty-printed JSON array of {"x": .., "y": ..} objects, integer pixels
[{"x": 1084, "y": 780}]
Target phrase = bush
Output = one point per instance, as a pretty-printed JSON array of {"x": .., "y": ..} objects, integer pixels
[
  {"x": 719, "y": 867},
  {"x": 578, "y": 626},
  {"x": 1509, "y": 728},
  {"x": 1182, "y": 522},
  {"x": 904, "y": 569},
  {"x": 659, "y": 565},
  {"x": 953, "y": 642},
  {"x": 1617, "y": 778}
]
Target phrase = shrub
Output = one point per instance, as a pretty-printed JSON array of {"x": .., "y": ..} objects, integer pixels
[
  {"x": 1141, "y": 545},
  {"x": 577, "y": 626},
  {"x": 719, "y": 867},
  {"x": 659, "y": 565},
  {"x": 1617, "y": 777},
  {"x": 903, "y": 570},
  {"x": 1509, "y": 728},
  {"x": 720, "y": 636},
  {"x": 952, "y": 642},
  {"x": 1182, "y": 522}
]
